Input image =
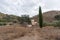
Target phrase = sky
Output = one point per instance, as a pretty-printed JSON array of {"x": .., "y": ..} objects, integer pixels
[{"x": 29, "y": 7}]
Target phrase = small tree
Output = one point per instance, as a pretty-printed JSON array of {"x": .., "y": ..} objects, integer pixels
[{"x": 40, "y": 18}]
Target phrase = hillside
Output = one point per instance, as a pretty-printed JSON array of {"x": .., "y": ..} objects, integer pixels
[
  {"x": 19, "y": 32},
  {"x": 48, "y": 16},
  {"x": 5, "y": 18}
]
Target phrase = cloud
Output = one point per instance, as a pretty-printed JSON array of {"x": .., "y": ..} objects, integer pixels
[
  {"x": 30, "y": 7},
  {"x": 52, "y": 4}
]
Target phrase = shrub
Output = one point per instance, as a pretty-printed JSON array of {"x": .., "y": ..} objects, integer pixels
[
  {"x": 9, "y": 18},
  {"x": 14, "y": 21},
  {"x": 3, "y": 20},
  {"x": 44, "y": 24},
  {"x": 24, "y": 19},
  {"x": 2, "y": 23},
  {"x": 57, "y": 17},
  {"x": 47, "y": 24},
  {"x": 57, "y": 24}
]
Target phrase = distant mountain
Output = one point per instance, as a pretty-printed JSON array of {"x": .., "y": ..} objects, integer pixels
[{"x": 48, "y": 16}]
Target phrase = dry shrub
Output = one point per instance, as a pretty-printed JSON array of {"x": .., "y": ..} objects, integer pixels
[
  {"x": 45, "y": 33},
  {"x": 13, "y": 32}
]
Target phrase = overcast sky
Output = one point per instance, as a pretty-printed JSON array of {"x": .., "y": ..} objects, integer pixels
[{"x": 30, "y": 7}]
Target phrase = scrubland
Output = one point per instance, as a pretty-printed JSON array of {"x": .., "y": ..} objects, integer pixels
[{"x": 25, "y": 33}]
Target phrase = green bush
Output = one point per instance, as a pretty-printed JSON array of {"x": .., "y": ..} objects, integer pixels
[
  {"x": 57, "y": 24},
  {"x": 9, "y": 18},
  {"x": 48, "y": 24},
  {"x": 44, "y": 24},
  {"x": 57, "y": 17},
  {"x": 3, "y": 20},
  {"x": 2, "y": 23}
]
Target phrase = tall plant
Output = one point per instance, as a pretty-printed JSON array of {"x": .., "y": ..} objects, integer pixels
[{"x": 40, "y": 18}]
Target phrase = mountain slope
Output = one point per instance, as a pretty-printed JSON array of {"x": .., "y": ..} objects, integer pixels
[{"x": 48, "y": 16}]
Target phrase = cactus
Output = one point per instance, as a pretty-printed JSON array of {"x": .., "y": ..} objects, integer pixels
[{"x": 40, "y": 18}]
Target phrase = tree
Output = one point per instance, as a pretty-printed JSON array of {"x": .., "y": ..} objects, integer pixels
[
  {"x": 40, "y": 18},
  {"x": 57, "y": 17},
  {"x": 24, "y": 19}
]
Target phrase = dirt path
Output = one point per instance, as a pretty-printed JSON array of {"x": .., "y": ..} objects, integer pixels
[
  {"x": 31, "y": 36},
  {"x": 35, "y": 37},
  {"x": 45, "y": 34},
  {"x": 26, "y": 38}
]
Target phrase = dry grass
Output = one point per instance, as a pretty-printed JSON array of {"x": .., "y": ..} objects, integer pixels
[
  {"x": 22, "y": 33},
  {"x": 11, "y": 32}
]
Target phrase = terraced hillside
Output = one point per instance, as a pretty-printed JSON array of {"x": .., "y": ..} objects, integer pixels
[{"x": 5, "y": 18}]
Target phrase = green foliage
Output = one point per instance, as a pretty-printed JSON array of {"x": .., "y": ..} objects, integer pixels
[
  {"x": 57, "y": 17},
  {"x": 2, "y": 23},
  {"x": 47, "y": 24},
  {"x": 24, "y": 19},
  {"x": 57, "y": 24},
  {"x": 40, "y": 18},
  {"x": 3, "y": 20},
  {"x": 44, "y": 24},
  {"x": 10, "y": 18}
]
